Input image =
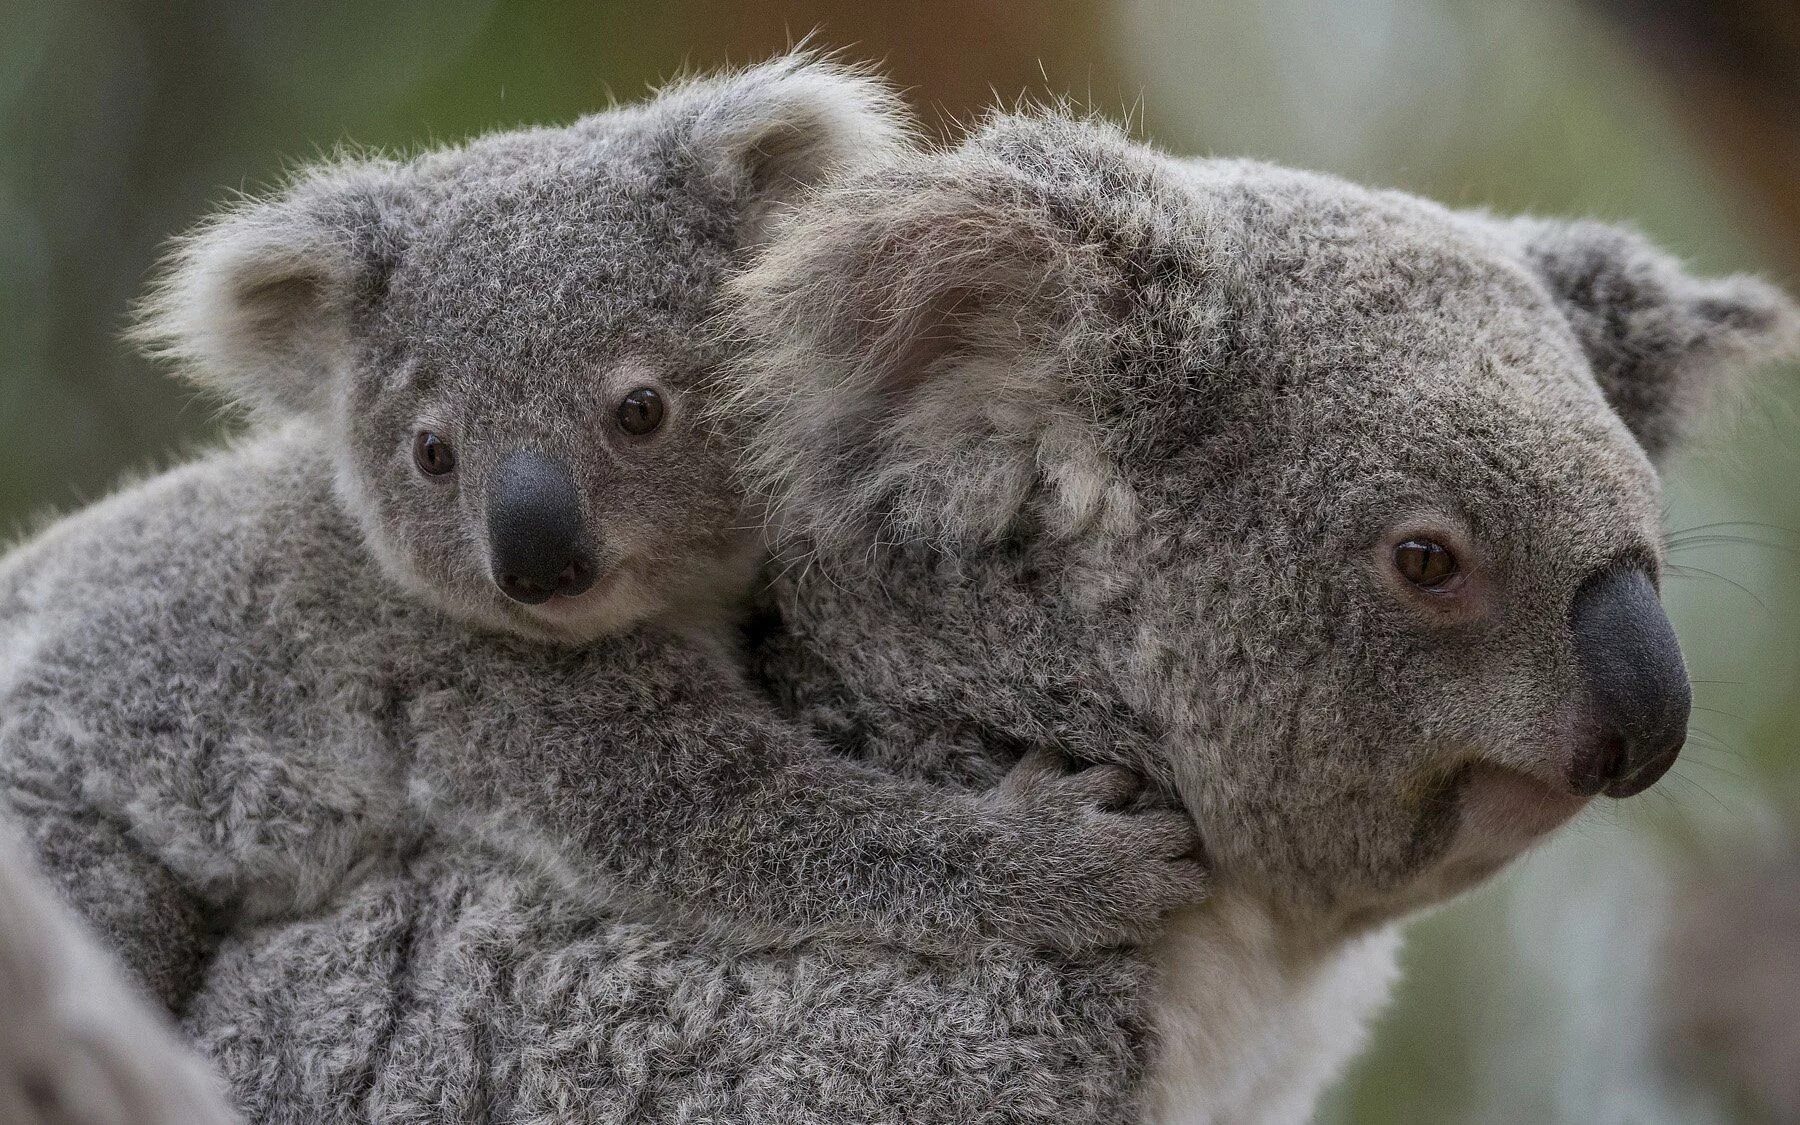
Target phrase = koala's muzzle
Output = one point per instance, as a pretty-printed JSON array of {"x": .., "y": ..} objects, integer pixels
[
  {"x": 536, "y": 539},
  {"x": 1637, "y": 686}
]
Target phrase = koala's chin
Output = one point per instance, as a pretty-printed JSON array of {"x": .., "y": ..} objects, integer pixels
[
  {"x": 616, "y": 605},
  {"x": 1504, "y": 813}
]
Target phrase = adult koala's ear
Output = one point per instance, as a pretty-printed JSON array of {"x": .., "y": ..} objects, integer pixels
[
  {"x": 256, "y": 304},
  {"x": 907, "y": 345},
  {"x": 773, "y": 132},
  {"x": 1661, "y": 341}
]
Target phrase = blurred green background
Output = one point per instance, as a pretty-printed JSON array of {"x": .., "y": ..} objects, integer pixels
[{"x": 1554, "y": 995}]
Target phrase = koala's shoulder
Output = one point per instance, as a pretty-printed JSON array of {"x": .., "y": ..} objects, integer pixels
[{"x": 170, "y": 529}]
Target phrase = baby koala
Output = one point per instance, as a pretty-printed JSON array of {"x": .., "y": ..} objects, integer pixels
[{"x": 481, "y": 555}]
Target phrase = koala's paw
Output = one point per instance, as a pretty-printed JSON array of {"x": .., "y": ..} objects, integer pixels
[{"x": 1092, "y": 867}]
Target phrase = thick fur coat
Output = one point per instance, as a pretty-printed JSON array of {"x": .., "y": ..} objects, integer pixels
[
  {"x": 1065, "y": 443},
  {"x": 241, "y": 695}
]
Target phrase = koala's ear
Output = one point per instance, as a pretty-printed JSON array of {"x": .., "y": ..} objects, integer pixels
[
  {"x": 255, "y": 304},
  {"x": 1661, "y": 341},
  {"x": 904, "y": 350},
  {"x": 777, "y": 130}
]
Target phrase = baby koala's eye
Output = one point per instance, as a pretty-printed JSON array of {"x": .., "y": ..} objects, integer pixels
[
  {"x": 641, "y": 412},
  {"x": 433, "y": 454},
  {"x": 1427, "y": 564}
]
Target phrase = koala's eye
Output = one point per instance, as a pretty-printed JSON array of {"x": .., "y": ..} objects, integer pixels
[
  {"x": 1427, "y": 564},
  {"x": 433, "y": 454},
  {"x": 641, "y": 412}
]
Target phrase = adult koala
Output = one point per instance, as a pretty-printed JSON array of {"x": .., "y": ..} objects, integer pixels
[
  {"x": 81, "y": 1045},
  {"x": 1332, "y": 510}
]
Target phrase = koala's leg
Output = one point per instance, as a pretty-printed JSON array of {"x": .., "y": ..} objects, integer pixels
[
  {"x": 153, "y": 920},
  {"x": 78, "y": 1042},
  {"x": 689, "y": 787},
  {"x": 154, "y": 924}
]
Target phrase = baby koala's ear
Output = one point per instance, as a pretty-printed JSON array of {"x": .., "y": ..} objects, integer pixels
[
  {"x": 1661, "y": 341},
  {"x": 777, "y": 130},
  {"x": 256, "y": 303},
  {"x": 904, "y": 347}
]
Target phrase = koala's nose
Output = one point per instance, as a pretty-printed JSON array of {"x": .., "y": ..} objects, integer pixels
[
  {"x": 1638, "y": 691},
  {"x": 536, "y": 540}
]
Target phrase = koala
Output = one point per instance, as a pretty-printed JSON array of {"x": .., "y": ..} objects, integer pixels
[
  {"x": 1330, "y": 510},
  {"x": 474, "y": 569}
]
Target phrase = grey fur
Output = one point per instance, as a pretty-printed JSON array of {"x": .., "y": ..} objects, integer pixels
[
  {"x": 239, "y": 694},
  {"x": 1067, "y": 441},
  {"x": 1070, "y": 443}
]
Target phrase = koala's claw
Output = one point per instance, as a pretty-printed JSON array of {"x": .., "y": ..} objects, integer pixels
[
  {"x": 1047, "y": 775},
  {"x": 1100, "y": 871},
  {"x": 1110, "y": 787}
]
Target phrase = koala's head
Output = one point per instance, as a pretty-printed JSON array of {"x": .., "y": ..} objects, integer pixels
[
  {"x": 499, "y": 341},
  {"x": 1353, "y": 497}
]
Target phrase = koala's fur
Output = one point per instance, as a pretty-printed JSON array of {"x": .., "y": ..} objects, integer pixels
[
  {"x": 1073, "y": 442},
  {"x": 1135, "y": 437},
  {"x": 241, "y": 694}
]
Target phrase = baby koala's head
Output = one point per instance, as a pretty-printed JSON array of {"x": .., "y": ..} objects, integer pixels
[{"x": 499, "y": 342}]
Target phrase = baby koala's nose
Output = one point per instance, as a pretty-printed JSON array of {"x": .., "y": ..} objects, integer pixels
[
  {"x": 536, "y": 539},
  {"x": 1637, "y": 685}
]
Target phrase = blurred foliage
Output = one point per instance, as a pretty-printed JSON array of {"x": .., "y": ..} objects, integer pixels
[{"x": 1534, "y": 1000}]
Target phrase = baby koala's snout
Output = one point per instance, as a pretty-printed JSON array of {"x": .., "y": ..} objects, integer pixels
[
  {"x": 537, "y": 543},
  {"x": 1638, "y": 695}
]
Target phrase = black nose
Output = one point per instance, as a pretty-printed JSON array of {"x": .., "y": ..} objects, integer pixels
[
  {"x": 535, "y": 536},
  {"x": 1638, "y": 691}
]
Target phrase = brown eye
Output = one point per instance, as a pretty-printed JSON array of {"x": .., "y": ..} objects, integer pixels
[
  {"x": 432, "y": 454},
  {"x": 641, "y": 412},
  {"x": 1426, "y": 564}
]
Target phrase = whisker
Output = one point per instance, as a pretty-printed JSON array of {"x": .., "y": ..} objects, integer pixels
[
  {"x": 1735, "y": 523},
  {"x": 1675, "y": 775},
  {"x": 1691, "y": 571},
  {"x": 1674, "y": 544},
  {"x": 1718, "y": 711},
  {"x": 1735, "y": 775}
]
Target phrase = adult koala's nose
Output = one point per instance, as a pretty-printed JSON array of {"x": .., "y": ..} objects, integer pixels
[
  {"x": 536, "y": 539},
  {"x": 1637, "y": 686}
]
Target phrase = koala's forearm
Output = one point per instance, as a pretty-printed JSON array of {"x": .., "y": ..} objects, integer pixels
[
  {"x": 772, "y": 832},
  {"x": 746, "y": 819}
]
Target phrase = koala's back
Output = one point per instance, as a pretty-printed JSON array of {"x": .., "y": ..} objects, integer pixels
[
  {"x": 194, "y": 661},
  {"x": 452, "y": 986}
]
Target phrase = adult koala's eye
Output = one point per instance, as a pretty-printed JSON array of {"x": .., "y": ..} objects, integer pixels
[
  {"x": 433, "y": 454},
  {"x": 641, "y": 412},
  {"x": 1427, "y": 564}
]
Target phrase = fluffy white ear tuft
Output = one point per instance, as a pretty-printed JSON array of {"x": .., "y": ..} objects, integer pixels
[
  {"x": 905, "y": 347},
  {"x": 1661, "y": 341},
  {"x": 779, "y": 129},
  {"x": 256, "y": 303}
]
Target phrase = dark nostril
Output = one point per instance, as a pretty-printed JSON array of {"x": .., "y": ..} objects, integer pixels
[
  {"x": 524, "y": 590},
  {"x": 1599, "y": 764},
  {"x": 577, "y": 578}
]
